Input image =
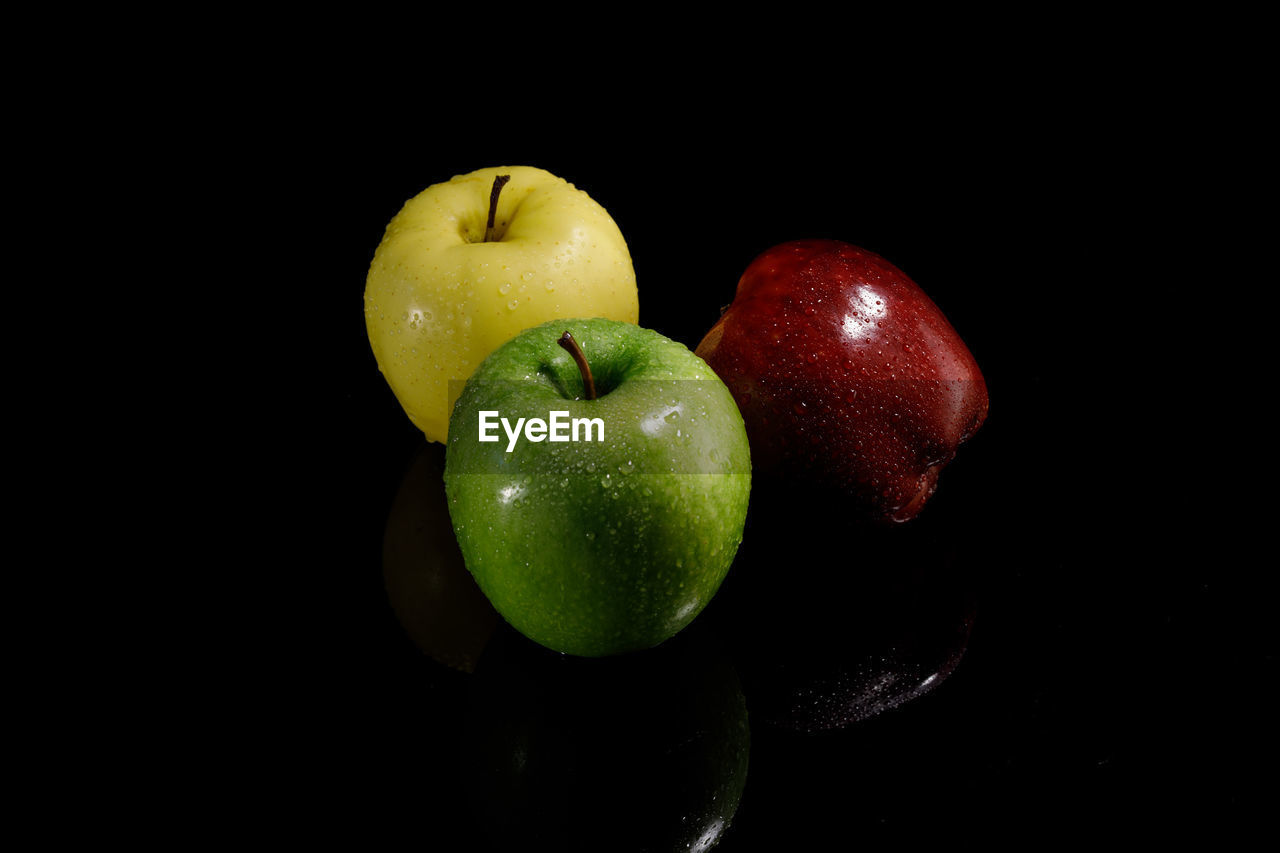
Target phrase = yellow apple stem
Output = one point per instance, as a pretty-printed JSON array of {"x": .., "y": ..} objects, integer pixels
[
  {"x": 588, "y": 383},
  {"x": 498, "y": 182}
]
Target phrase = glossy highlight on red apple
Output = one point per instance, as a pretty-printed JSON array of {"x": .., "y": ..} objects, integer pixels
[{"x": 847, "y": 375}]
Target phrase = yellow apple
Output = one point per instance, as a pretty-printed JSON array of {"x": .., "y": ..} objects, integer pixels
[{"x": 446, "y": 287}]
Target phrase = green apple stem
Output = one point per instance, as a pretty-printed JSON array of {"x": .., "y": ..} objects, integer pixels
[
  {"x": 588, "y": 383},
  {"x": 498, "y": 182}
]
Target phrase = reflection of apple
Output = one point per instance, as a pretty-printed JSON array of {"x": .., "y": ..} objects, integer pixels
[
  {"x": 446, "y": 288},
  {"x": 641, "y": 752},
  {"x": 436, "y": 600},
  {"x": 891, "y": 625},
  {"x": 603, "y": 546},
  {"x": 847, "y": 374}
]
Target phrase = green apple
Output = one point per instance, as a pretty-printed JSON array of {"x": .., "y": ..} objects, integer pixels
[
  {"x": 468, "y": 263},
  {"x": 598, "y": 484}
]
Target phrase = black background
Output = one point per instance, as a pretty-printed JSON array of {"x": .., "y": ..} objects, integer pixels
[{"x": 1111, "y": 678}]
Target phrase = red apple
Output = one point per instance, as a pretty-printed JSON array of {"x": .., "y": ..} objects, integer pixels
[{"x": 848, "y": 376}]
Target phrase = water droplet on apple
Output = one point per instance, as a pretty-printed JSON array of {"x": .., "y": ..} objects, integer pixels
[
  {"x": 504, "y": 288},
  {"x": 550, "y": 285},
  {"x": 513, "y": 304}
]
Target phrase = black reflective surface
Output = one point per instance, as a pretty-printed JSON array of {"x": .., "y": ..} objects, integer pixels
[{"x": 1051, "y": 650}]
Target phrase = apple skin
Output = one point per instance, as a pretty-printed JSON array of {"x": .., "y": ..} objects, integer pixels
[
  {"x": 848, "y": 376},
  {"x": 439, "y": 297},
  {"x": 604, "y": 547}
]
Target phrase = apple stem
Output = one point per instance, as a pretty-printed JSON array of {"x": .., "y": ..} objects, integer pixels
[
  {"x": 498, "y": 182},
  {"x": 588, "y": 383}
]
